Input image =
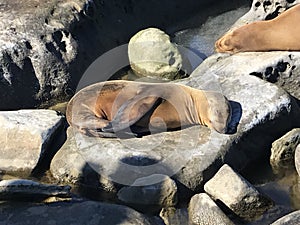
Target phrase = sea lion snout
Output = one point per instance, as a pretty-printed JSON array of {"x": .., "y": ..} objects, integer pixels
[{"x": 227, "y": 43}]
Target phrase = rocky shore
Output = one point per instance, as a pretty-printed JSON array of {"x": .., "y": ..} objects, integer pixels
[{"x": 189, "y": 176}]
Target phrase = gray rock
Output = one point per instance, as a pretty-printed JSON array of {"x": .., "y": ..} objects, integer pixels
[
  {"x": 283, "y": 150},
  {"x": 203, "y": 210},
  {"x": 237, "y": 193},
  {"x": 262, "y": 112},
  {"x": 290, "y": 219},
  {"x": 25, "y": 136},
  {"x": 27, "y": 189},
  {"x": 151, "y": 53},
  {"x": 156, "y": 189},
  {"x": 174, "y": 216},
  {"x": 90, "y": 213},
  {"x": 297, "y": 159},
  {"x": 43, "y": 43}
]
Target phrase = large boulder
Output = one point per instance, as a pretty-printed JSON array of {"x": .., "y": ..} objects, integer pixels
[
  {"x": 25, "y": 137},
  {"x": 262, "y": 113}
]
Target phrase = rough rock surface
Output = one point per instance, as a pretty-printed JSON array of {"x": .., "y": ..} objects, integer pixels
[
  {"x": 290, "y": 219},
  {"x": 283, "y": 150},
  {"x": 281, "y": 68},
  {"x": 151, "y": 53},
  {"x": 47, "y": 45},
  {"x": 156, "y": 189},
  {"x": 25, "y": 136},
  {"x": 89, "y": 213},
  {"x": 174, "y": 216},
  {"x": 297, "y": 159},
  {"x": 203, "y": 210},
  {"x": 237, "y": 193}
]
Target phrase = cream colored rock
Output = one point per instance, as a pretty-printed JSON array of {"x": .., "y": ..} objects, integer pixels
[{"x": 151, "y": 53}]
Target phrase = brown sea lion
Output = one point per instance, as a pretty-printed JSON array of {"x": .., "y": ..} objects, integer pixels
[
  {"x": 113, "y": 106},
  {"x": 280, "y": 33}
]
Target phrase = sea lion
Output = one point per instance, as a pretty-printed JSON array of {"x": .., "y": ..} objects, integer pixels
[
  {"x": 280, "y": 33},
  {"x": 108, "y": 107}
]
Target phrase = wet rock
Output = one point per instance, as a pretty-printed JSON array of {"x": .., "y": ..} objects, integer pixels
[
  {"x": 283, "y": 150},
  {"x": 203, "y": 210},
  {"x": 151, "y": 53},
  {"x": 237, "y": 193},
  {"x": 88, "y": 212},
  {"x": 17, "y": 189},
  {"x": 156, "y": 189},
  {"x": 290, "y": 219},
  {"x": 25, "y": 136},
  {"x": 297, "y": 159},
  {"x": 173, "y": 216}
]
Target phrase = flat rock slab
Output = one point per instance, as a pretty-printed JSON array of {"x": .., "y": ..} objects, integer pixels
[
  {"x": 74, "y": 213},
  {"x": 25, "y": 136},
  {"x": 262, "y": 112}
]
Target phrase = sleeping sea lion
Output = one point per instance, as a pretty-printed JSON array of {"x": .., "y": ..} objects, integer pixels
[
  {"x": 280, "y": 33},
  {"x": 108, "y": 107}
]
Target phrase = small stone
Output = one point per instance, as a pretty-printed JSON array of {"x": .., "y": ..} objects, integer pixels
[
  {"x": 283, "y": 150},
  {"x": 203, "y": 210},
  {"x": 237, "y": 193},
  {"x": 156, "y": 189},
  {"x": 151, "y": 53}
]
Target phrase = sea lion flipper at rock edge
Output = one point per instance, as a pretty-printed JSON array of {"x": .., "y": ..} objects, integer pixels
[{"x": 132, "y": 111}]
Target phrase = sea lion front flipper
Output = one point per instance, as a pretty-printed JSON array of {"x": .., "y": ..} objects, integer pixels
[{"x": 132, "y": 111}]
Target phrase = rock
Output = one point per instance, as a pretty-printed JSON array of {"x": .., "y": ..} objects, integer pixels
[
  {"x": 290, "y": 219},
  {"x": 173, "y": 216},
  {"x": 283, "y": 150},
  {"x": 262, "y": 113},
  {"x": 87, "y": 212},
  {"x": 25, "y": 137},
  {"x": 27, "y": 189},
  {"x": 203, "y": 210},
  {"x": 156, "y": 189},
  {"x": 151, "y": 53},
  {"x": 278, "y": 67},
  {"x": 47, "y": 45},
  {"x": 297, "y": 159},
  {"x": 237, "y": 193}
]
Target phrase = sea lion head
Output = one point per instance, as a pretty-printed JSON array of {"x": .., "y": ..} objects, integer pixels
[{"x": 218, "y": 112}]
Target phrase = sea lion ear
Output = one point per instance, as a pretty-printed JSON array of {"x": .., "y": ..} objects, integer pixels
[{"x": 132, "y": 111}]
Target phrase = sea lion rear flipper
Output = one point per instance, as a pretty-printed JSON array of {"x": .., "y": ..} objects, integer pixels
[{"x": 132, "y": 111}]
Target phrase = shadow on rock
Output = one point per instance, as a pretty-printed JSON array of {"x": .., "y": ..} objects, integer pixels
[{"x": 236, "y": 116}]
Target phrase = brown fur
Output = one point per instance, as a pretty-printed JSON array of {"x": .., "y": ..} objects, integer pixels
[
  {"x": 281, "y": 33},
  {"x": 113, "y": 106}
]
